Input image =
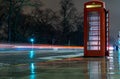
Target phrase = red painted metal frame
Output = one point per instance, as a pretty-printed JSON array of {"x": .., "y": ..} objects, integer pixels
[
  {"x": 102, "y": 12},
  {"x": 107, "y": 27}
]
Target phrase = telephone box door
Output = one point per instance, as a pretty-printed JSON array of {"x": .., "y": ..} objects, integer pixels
[{"x": 94, "y": 29}]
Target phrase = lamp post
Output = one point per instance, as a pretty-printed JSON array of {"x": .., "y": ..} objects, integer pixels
[
  {"x": 32, "y": 41},
  {"x": 32, "y": 64}
]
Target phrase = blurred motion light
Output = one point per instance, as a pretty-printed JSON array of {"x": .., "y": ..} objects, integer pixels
[
  {"x": 111, "y": 48},
  {"x": 31, "y": 54},
  {"x": 32, "y": 66},
  {"x": 118, "y": 41}
]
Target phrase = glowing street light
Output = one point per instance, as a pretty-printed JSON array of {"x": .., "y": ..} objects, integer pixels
[{"x": 32, "y": 41}]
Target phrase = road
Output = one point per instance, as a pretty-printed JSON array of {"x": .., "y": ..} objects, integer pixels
[
  {"x": 28, "y": 62},
  {"x": 16, "y": 53}
]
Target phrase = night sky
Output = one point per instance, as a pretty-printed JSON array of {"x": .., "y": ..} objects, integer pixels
[{"x": 112, "y": 5}]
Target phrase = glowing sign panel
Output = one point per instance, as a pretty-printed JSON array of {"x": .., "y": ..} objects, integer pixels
[{"x": 93, "y": 6}]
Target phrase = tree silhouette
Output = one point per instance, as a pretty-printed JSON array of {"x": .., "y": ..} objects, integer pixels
[
  {"x": 46, "y": 24},
  {"x": 68, "y": 15},
  {"x": 4, "y": 12},
  {"x": 11, "y": 11}
]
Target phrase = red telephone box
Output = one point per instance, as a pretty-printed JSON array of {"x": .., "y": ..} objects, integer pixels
[{"x": 95, "y": 29}]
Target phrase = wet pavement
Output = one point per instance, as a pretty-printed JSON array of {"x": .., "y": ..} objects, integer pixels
[{"x": 58, "y": 65}]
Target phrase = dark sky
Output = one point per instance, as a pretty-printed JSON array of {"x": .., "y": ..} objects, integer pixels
[{"x": 112, "y": 5}]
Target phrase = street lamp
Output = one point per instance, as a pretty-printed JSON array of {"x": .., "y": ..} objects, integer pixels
[
  {"x": 32, "y": 65},
  {"x": 32, "y": 41}
]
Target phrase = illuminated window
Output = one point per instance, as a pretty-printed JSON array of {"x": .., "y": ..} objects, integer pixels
[
  {"x": 94, "y": 38},
  {"x": 94, "y": 31},
  {"x": 94, "y": 43},
  {"x": 93, "y": 23},
  {"x": 94, "y": 48}
]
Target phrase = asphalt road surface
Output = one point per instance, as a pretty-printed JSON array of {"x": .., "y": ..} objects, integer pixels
[{"x": 19, "y": 54}]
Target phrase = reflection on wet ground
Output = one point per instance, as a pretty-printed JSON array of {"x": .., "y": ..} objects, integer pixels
[{"x": 30, "y": 65}]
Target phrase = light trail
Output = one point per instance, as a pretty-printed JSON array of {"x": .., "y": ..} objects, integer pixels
[
  {"x": 39, "y": 47},
  {"x": 48, "y": 46}
]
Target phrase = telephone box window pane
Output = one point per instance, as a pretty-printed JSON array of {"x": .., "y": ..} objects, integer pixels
[
  {"x": 94, "y": 33},
  {"x": 93, "y": 23},
  {"x": 94, "y": 13},
  {"x": 94, "y": 38},
  {"x": 94, "y": 28},
  {"x": 93, "y": 47},
  {"x": 93, "y": 18},
  {"x": 94, "y": 43}
]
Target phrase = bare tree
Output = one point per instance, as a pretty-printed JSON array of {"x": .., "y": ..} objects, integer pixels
[
  {"x": 4, "y": 11},
  {"x": 47, "y": 23},
  {"x": 11, "y": 11},
  {"x": 68, "y": 12}
]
